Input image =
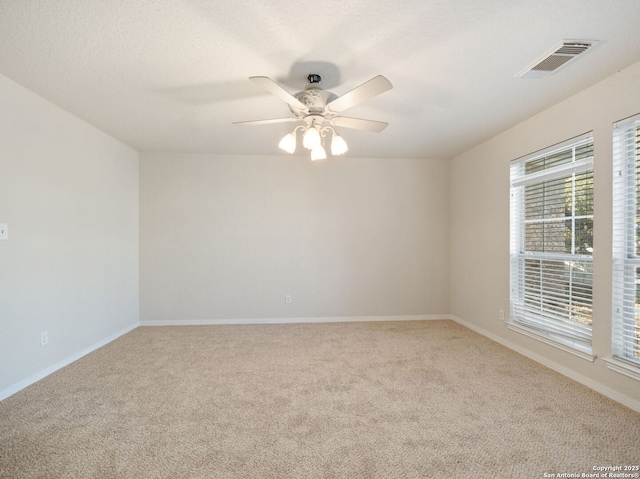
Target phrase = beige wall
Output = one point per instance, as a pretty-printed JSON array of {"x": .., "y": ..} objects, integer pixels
[
  {"x": 480, "y": 224},
  {"x": 227, "y": 237},
  {"x": 69, "y": 194}
]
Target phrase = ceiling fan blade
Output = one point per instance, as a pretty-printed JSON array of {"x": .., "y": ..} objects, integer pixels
[
  {"x": 359, "y": 94},
  {"x": 359, "y": 124},
  {"x": 266, "y": 122},
  {"x": 275, "y": 89}
]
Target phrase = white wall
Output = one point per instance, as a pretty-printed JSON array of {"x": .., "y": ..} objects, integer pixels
[
  {"x": 227, "y": 237},
  {"x": 480, "y": 225},
  {"x": 69, "y": 194}
]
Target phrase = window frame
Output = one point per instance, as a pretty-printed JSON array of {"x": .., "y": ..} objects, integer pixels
[
  {"x": 544, "y": 326},
  {"x": 625, "y": 357}
]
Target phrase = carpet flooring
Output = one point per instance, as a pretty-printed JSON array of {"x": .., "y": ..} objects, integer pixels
[{"x": 415, "y": 399}]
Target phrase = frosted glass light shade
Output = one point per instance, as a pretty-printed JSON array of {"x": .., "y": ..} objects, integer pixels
[
  {"x": 311, "y": 138},
  {"x": 318, "y": 153},
  {"x": 288, "y": 143},
  {"x": 338, "y": 145}
]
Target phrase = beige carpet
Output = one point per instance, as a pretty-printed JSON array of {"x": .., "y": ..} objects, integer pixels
[{"x": 416, "y": 399}]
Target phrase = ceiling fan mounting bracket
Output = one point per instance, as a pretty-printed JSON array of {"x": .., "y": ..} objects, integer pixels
[{"x": 314, "y": 78}]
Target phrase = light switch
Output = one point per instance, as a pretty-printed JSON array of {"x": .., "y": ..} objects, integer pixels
[{"x": 4, "y": 231}]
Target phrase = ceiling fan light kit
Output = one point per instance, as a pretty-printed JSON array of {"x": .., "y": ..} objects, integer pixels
[
  {"x": 319, "y": 111},
  {"x": 311, "y": 138},
  {"x": 338, "y": 145},
  {"x": 318, "y": 153},
  {"x": 288, "y": 142}
]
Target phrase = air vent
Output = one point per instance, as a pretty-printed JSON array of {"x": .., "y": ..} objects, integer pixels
[{"x": 558, "y": 56}]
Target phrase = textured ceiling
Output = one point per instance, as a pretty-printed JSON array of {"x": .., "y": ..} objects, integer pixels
[{"x": 173, "y": 75}]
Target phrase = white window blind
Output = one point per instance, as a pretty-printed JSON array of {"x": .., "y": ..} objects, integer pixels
[
  {"x": 552, "y": 242},
  {"x": 626, "y": 240}
]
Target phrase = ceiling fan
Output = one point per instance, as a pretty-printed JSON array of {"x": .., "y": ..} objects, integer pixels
[{"x": 319, "y": 111}]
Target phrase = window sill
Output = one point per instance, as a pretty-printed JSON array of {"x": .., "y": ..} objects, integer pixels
[
  {"x": 582, "y": 353},
  {"x": 623, "y": 367}
]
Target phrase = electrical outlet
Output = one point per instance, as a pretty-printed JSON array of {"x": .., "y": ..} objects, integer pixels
[
  {"x": 287, "y": 299},
  {"x": 44, "y": 338},
  {"x": 501, "y": 314},
  {"x": 4, "y": 231}
]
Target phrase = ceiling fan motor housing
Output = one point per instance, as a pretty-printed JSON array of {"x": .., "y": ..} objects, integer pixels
[{"x": 313, "y": 98}]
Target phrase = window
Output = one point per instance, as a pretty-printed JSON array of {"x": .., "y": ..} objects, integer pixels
[
  {"x": 552, "y": 245},
  {"x": 626, "y": 241}
]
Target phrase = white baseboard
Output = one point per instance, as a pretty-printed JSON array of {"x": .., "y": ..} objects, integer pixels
[
  {"x": 590, "y": 383},
  {"x": 346, "y": 319},
  {"x": 11, "y": 390}
]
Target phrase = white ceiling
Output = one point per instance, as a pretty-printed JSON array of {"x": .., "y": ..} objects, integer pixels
[{"x": 165, "y": 75}]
